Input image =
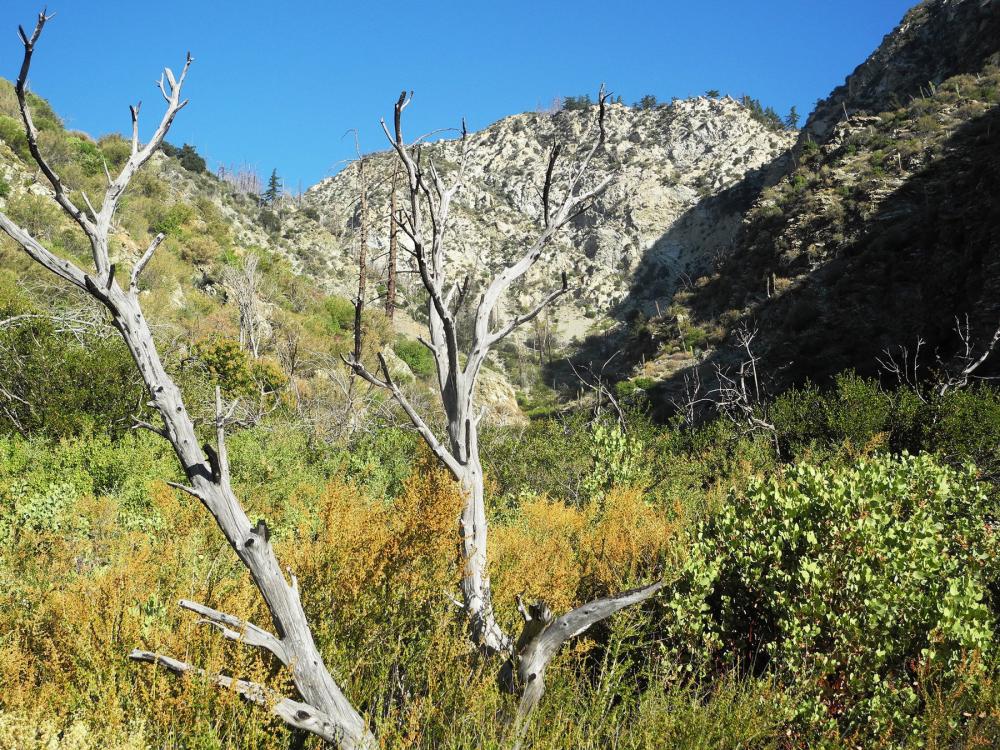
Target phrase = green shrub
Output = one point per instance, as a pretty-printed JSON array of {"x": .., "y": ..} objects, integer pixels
[
  {"x": 42, "y": 114},
  {"x": 238, "y": 375},
  {"x": 629, "y": 389},
  {"x": 845, "y": 583},
  {"x": 270, "y": 220},
  {"x": 171, "y": 221},
  {"x": 116, "y": 150},
  {"x": 857, "y": 411},
  {"x": 38, "y": 214},
  {"x": 963, "y": 426},
  {"x": 340, "y": 314},
  {"x": 617, "y": 459},
  {"x": 4, "y": 188},
  {"x": 87, "y": 155},
  {"x": 12, "y": 133},
  {"x": 188, "y": 156},
  {"x": 695, "y": 338},
  {"x": 416, "y": 356}
]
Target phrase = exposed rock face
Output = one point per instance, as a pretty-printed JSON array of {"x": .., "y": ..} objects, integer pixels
[
  {"x": 936, "y": 40},
  {"x": 670, "y": 159}
]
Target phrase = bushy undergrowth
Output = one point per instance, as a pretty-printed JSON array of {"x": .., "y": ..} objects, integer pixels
[
  {"x": 848, "y": 584},
  {"x": 841, "y": 601}
]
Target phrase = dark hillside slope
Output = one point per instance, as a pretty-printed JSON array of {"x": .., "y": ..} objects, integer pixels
[
  {"x": 934, "y": 41},
  {"x": 885, "y": 229}
]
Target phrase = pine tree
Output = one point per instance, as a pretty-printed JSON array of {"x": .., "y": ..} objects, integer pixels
[
  {"x": 792, "y": 121},
  {"x": 273, "y": 192},
  {"x": 647, "y": 102}
]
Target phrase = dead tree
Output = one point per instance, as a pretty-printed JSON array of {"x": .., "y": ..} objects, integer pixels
[
  {"x": 324, "y": 709},
  {"x": 950, "y": 375},
  {"x": 425, "y": 223},
  {"x": 740, "y": 396},
  {"x": 956, "y": 375},
  {"x": 243, "y": 284},
  {"x": 390, "y": 287},
  {"x": 359, "y": 302}
]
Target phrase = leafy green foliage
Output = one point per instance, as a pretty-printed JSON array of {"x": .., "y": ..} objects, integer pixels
[
  {"x": 844, "y": 582},
  {"x": 87, "y": 154},
  {"x": 416, "y": 356},
  {"x": 238, "y": 374},
  {"x": 171, "y": 220},
  {"x": 188, "y": 156},
  {"x": 576, "y": 103},
  {"x": 340, "y": 314},
  {"x": 617, "y": 459},
  {"x": 56, "y": 385},
  {"x": 630, "y": 389},
  {"x": 12, "y": 133}
]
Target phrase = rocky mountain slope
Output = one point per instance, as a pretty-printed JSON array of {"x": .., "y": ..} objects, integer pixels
[
  {"x": 884, "y": 229},
  {"x": 933, "y": 42},
  {"x": 670, "y": 158}
]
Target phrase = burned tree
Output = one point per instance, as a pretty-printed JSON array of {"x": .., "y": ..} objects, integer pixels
[
  {"x": 948, "y": 375},
  {"x": 359, "y": 302},
  {"x": 424, "y": 222},
  {"x": 324, "y": 709},
  {"x": 391, "y": 266}
]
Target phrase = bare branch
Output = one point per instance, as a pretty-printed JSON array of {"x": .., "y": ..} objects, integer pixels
[
  {"x": 138, "y": 268},
  {"x": 388, "y": 383},
  {"x": 235, "y": 629},
  {"x": 294, "y": 713},
  {"x": 520, "y": 320},
  {"x": 62, "y": 268},
  {"x": 542, "y": 637},
  {"x": 31, "y": 132}
]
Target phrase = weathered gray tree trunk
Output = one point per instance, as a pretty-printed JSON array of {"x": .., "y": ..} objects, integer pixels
[
  {"x": 325, "y": 712},
  {"x": 456, "y": 385}
]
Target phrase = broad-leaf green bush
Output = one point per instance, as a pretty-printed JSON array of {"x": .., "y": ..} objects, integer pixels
[{"x": 845, "y": 583}]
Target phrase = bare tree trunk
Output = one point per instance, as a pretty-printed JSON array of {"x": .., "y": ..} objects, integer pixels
[
  {"x": 390, "y": 290},
  {"x": 359, "y": 303},
  {"x": 473, "y": 532},
  {"x": 457, "y": 383},
  {"x": 327, "y": 712}
]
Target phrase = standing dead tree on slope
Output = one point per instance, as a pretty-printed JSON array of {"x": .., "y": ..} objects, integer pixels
[
  {"x": 424, "y": 221},
  {"x": 324, "y": 709},
  {"x": 243, "y": 285},
  {"x": 952, "y": 374}
]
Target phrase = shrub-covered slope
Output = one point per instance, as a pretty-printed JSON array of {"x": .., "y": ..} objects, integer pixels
[{"x": 883, "y": 231}]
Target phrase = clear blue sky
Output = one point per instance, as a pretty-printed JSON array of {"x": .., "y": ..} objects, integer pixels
[{"x": 277, "y": 84}]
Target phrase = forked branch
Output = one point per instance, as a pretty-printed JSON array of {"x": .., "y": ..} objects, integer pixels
[{"x": 326, "y": 711}]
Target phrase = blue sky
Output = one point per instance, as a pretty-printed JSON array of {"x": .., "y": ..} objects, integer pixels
[{"x": 278, "y": 85}]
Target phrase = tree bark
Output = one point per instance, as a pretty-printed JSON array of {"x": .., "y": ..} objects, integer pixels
[
  {"x": 327, "y": 712},
  {"x": 390, "y": 287}
]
